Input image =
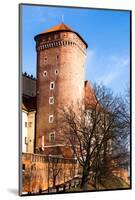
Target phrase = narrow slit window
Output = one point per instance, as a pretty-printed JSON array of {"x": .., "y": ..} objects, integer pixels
[
  {"x": 56, "y": 71},
  {"x": 52, "y": 85},
  {"x": 25, "y": 124}
]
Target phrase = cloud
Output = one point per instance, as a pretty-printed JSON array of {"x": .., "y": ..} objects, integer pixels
[
  {"x": 120, "y": 61},
  {"x": 42, "y": 14},
  {"x": 115, "y": 68},
  {"x": 90, "y": 56}
]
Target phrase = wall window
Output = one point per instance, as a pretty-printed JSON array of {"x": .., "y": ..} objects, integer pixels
[
  {"x": 51, "y": 100},
  {"x": 52, "y": 85},
  {"x": 42, "y": 140},
  {"x": 25, "y": 124},
  {"x": 52, "y": 137},
  {"x": 55, "y": 36},
  {"x": 44, "y": 73},
  {"x": 23, "y": 166},
  {"x": 51, "y": 118},
  {"x": 26, "y": 140},
  {"x": 49, "y": 38},
  {"x": 30, "y": 124},
  {"x": 56, "y": 71}
]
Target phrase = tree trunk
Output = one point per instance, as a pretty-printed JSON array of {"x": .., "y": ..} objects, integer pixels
[
  {"x": 54, "y": 181},
  {"x": 84, "y": 178}
]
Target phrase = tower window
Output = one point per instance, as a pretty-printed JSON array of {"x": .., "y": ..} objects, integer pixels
[
  {"x": 51, "y": 118},
  {"x": 51, "y": 100},
  {"x": 52, "y": 137},
  {"x": 44, "y": 73},
  {"x": 55, "y": 36},
  {"x": 56, "y": 71},
  {"x": 52, "y": 85},
  {"x": 49, "y": 38}
]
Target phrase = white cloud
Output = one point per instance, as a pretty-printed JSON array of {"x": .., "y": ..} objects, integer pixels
[
  {"x": 120, "y": 61},
  {"x": 90, "y": 56},
  {"x": 107, "y": 69},
  {"x": 115, "y": 68}
]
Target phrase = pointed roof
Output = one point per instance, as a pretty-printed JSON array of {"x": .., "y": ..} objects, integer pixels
[
  {"x": 59, "y": 28},
  {"x": 89, "y": 96}
]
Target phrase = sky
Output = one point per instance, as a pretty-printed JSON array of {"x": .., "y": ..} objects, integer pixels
[{"x": 107, "y": 33}]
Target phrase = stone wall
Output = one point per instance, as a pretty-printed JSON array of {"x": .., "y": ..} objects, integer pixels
[{"x": 41, "y": 172}]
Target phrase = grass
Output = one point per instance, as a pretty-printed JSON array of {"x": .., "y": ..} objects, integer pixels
[{"x": 111, "y": 182}]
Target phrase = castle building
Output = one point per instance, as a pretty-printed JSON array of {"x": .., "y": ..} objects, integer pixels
[
  {"x": 61, "y": 54},
  {"x": 28, "y": 113},
  {"x": 47, "y": 158}
]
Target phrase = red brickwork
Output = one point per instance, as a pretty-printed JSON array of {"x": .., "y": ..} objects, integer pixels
[{"x": 60, "y": 59}]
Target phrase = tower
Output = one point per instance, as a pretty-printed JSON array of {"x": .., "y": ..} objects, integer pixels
[{"x": 61, "y": 54}]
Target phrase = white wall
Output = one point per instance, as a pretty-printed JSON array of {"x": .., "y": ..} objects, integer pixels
[{"x": 24, "y": 130}]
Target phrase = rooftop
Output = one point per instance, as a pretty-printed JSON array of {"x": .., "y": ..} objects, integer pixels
[{"x": 60, "y": 27}]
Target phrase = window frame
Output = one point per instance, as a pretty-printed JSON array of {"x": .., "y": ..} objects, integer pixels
[
  {"x": 52, "y": 136},
  {"x": 44, "y": 73},
  {"x": 51, "y": 116},
  {"x": 51, "y": 100},
  {"x": 26, "y": 124},
  {"x": 52, "y": 83}
]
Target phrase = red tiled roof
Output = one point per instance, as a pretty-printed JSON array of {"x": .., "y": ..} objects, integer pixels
[
  {"x": 60, "y": 27},
  {"x": 89, "y": 96}
]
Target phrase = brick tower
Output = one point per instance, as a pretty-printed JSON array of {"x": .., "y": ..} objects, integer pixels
[{"x": 61, "y": 54}]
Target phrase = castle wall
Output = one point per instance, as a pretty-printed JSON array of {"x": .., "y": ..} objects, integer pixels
[{"x": 39, "y": 171}]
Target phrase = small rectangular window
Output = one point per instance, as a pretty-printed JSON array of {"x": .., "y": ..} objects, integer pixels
[
  {"x": 30, "y": 124},
  {"x": 26, "y": 140},
  {"x": 23, "y": 166},
  {"x": 52, "y": 85},
  {"x": 25, "y": 124},
  {"x": 52, "y": 137},
  {"x": 51, "y": 100},
  {"x": 42, "y": 141},
  {"x": 51, "y": 118}
]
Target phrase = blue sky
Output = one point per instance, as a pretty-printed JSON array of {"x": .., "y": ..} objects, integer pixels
[{"x": 106, "y": 32}]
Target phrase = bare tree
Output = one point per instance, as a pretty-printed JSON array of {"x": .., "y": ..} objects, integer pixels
[
  {"x": 55, "y": 168},
  {"x": 93, "y": 131}
]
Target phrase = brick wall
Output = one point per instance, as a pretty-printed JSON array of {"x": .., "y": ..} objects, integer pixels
[
  {"x": 38, "y": 172},
  {"x": 60, "y": 59}
]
